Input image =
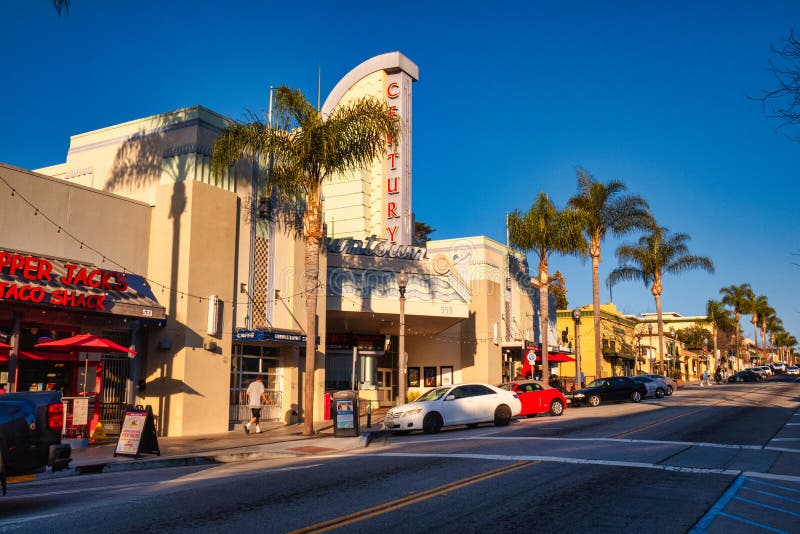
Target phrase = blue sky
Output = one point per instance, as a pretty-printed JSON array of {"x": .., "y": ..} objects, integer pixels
[{"x": 512, "y": 97}]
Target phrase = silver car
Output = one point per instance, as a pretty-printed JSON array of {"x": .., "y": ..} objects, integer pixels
[
  {"x": 655, "y": 387},
  {"x": 670, "y": 383}
]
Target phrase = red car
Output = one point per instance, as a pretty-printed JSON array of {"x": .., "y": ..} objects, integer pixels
[{"x": 537, "y": 397}]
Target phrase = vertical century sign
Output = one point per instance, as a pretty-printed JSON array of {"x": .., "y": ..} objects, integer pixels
[
  {"x": 375, "y": 200},
  {"x": 397, "y": 194}
]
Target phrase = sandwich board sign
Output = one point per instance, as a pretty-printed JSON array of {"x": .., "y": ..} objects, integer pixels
[{"x": 138, "y": 434}]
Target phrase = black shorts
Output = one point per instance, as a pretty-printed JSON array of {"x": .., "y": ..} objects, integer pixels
[{"x": 256, "y": 413}]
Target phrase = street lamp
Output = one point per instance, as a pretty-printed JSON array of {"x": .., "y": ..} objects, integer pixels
[
  {"x": 649, "y": 342},
  {"x": 402, "y": 362},
  {"x": 576, "y": 316}
]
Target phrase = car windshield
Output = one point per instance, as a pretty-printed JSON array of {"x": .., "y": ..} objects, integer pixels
[
  {"x": 432, "y": 395},
  {"x": 597, "y": 383}
]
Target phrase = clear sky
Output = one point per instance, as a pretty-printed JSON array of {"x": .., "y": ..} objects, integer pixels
[{"x": 512, "y": 97}]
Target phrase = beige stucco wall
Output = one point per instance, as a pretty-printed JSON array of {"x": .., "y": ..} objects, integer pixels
[
  {"x": 194, "y": 253},
  {"x": 117, "y": 227},
  {"x": 353, "y": 200}
]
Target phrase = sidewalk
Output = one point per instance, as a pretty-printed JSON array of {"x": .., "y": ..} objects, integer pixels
[{"x": 276, "y": 440}]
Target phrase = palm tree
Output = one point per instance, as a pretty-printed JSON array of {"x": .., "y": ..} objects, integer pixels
[
  {"x": 737, "y": 298},
  {"x": 305, "y": 149},
  {"x": 656, "y": 254},
  {"x": 720, "y": 319},
  {"x": 605, "y": 209},
  {"x": 545, "y": 230},
  {"x": 758, "y": 307},
  {"x": 61, "y": 5},
  {"x": 773, "y": 325}
]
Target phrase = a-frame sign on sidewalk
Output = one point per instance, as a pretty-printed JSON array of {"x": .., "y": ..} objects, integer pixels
[{"x": 138, "y": 434}]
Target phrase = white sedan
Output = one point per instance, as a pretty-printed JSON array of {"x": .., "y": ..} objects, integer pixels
[
  {"x": 461, "y": 404},
  {"x": 792, "y": 370}
]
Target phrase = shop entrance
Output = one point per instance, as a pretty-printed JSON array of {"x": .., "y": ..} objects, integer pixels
[
  {"x": 385, "y": 395},
  {"x": 247, "y": 362}
]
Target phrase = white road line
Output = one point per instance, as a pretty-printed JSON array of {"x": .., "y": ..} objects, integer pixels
[
  {"x": 792, "y": 424},
  {"x": 771, "y": 476},
  {"x": 556, "y": 459},
  {"x": 785, "y": 439},
  {"x": 633, "y": 441}
]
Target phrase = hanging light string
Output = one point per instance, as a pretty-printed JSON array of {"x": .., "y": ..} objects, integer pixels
[{"x": 37, "y": 212}]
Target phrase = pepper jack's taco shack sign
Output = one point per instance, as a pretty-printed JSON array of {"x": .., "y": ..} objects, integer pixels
[{"x": 39, "y": 280}]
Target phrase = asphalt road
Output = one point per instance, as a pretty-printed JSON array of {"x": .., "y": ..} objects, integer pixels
[{"x": 724, "y": 458}]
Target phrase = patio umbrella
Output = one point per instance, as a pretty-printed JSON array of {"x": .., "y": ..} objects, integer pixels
[
  {"x": 4, "y": 345},
  {"x": 85, "y": 343}
]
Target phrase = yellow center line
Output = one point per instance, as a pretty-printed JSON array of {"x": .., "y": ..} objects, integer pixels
[{"x": 391, "y": 506}]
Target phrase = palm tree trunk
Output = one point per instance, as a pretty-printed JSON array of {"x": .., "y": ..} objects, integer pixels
[
  {"x": 714, "y": 334},
  {"x": 312, "y": 230},
  {"x": 545, "y": 320},
  {"x": 598, "y": 349},
  {"x": 656, "y": 291}
]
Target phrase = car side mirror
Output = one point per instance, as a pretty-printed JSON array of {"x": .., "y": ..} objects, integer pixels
[{"x": 450, "y": 397}]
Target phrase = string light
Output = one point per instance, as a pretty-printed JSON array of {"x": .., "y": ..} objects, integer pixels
[{"x": 124, "y": 269}]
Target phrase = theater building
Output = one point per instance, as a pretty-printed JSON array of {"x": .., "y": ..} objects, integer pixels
[{"x": 203, "y": 275}]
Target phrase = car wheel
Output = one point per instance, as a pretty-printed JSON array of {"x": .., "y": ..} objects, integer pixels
[
  {"x": 636, "y": 396},
  {"x": 593, "y": 401},
  {"x": 557, "y": 407},
  {"x": 669, "y": 390},
  {"x": 502, "y": 415},
  {"x": 660, "y": 393},
  {"x": 432, "y": 423}
]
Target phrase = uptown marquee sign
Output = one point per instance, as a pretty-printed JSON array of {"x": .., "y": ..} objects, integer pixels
[{"x": 374, "y": 246}]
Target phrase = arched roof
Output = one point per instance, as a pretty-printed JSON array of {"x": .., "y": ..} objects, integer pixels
[{"x": 391, "y": 61}]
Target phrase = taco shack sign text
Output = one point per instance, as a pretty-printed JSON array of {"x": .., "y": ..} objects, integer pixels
[{"x": 32, "y": 274}]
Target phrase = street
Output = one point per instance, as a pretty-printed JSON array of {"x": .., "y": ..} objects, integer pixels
[{"x": 716, "y": 459}]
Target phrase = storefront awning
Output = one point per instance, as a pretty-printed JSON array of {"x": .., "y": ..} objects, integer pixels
[{"x": 47, "y": 281}]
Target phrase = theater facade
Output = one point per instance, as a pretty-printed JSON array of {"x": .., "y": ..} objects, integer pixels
[{"x": 134, "y": 238}]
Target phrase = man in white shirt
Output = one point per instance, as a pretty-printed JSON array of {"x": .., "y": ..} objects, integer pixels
[{"x": 256, "y": 393}]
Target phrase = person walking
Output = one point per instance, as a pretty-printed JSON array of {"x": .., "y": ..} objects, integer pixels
[
  {"x": 256, "y": 394},
  {"x": 705, "y": 381}
]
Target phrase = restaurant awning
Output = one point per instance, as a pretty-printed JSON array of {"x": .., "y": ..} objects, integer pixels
[{"x": 38, "y": 280}]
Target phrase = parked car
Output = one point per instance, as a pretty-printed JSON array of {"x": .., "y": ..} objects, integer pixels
[
  {"x": 767, "y": 370},
  {"x": 778, "y": 367},
  {"x": 615, "y": 388},
  {"x": 461, "y": 404},
  {"x": 655, "y": 388},
  {"x": 748, "y": 375},
  {"x": 30, "y": 433},
  {"x": 758, "y": 370},
  {"x": 792, "y": 370},
  {"x": 536, "y": 397},
  {"x": 672, "y": 386}
]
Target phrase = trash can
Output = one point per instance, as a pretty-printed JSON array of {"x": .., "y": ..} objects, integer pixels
[{"x": 344, "y": 408}]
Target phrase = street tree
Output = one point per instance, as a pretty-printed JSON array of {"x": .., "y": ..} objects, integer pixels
[
  {"x": 720, "y": 319},
  {"x": 422, "y": 233},
  {"x": 605, "y": 209},
  {"x": 783, "y": 101},
  {"x": 558, "y": 286},
  {"x": 758, "y": 307},
  {"x": 303, "y": 148},
  {"x": 545, "y": 230},
  {"x": 656, "y": 254},
  {"x": 737, "y": 298}
]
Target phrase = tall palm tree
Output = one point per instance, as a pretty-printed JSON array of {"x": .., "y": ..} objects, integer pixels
[
  {"x": 737, "y": 298},
  {"x": 773, "y": 325},
  {"x": 656, "y": 254},
  {"x": 545, "y": 230},
  {"x": 305, "y": 149},
  {"x": 758, "y": 307},
  {"x": 720, "y": 319},
  {"x": 605, "y": 208}
]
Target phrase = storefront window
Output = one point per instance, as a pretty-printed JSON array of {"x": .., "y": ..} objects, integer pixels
[
  {"x": 430, "y": 377},
  {"x": 247, "y": 362},
  {"x": 413, "y": 377}
]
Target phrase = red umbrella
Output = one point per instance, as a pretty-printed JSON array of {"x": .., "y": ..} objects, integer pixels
[
  {"x": 85, "y": 343},
  {"x": 4, "y": 345}
]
